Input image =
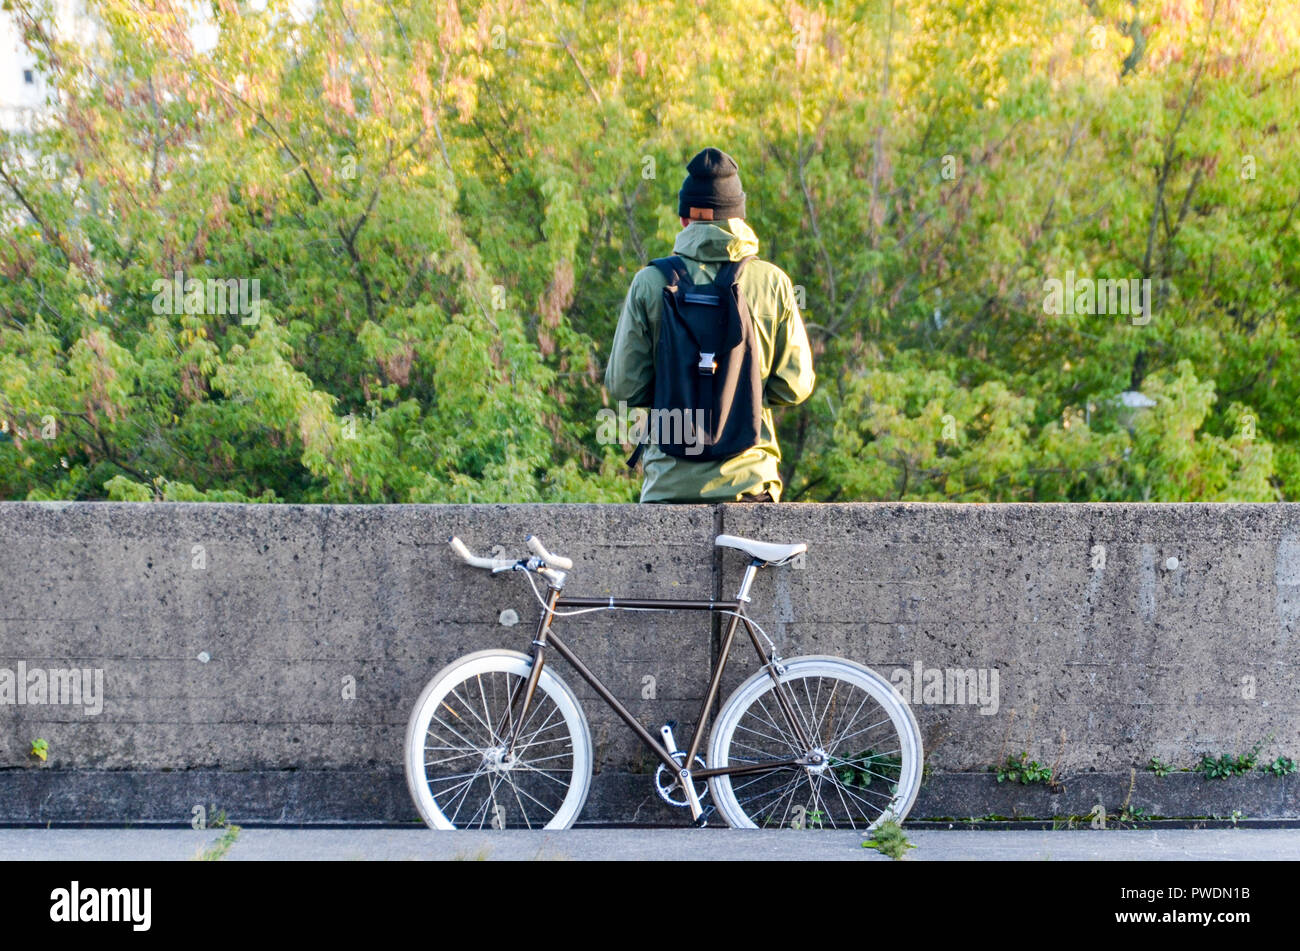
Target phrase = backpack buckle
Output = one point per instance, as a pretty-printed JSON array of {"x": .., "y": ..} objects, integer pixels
[{"x": 707, "y": 364}]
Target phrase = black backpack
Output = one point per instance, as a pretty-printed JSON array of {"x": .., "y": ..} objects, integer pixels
[{"x": 707, "y": 402}]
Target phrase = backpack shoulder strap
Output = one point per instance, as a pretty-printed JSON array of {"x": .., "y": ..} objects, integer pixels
[
  {"x": 730, "y": 272},
  {"x": 673, "y": 269}
]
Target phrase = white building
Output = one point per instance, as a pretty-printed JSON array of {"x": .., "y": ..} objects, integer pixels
[{"x": 23, "y": 91}]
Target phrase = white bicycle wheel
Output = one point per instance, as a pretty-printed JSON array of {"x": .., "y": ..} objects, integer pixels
[
  {"x": 867, "y": 739},
  {"x": 457, "y": 769}
]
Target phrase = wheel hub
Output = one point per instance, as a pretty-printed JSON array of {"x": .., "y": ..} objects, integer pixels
[
  {"x": 498, "y": 760},
  {"x": 818, "y": 761}
]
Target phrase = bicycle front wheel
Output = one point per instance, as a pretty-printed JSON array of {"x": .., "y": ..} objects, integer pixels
[
  {"x": 863, "y": 746},
  {"x": 459, "y": 768}
]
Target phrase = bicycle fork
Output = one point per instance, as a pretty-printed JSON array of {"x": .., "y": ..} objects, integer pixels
[{"x": 510, "y": 724}]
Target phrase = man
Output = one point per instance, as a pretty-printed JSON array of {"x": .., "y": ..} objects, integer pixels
[{"x": 711, "y": 208}]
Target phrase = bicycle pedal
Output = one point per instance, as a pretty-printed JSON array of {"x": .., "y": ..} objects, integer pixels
[{"x": 703, "y": 820}]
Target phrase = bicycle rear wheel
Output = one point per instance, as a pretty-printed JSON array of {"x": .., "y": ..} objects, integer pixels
[
  {"x": 865, "y": 734},
  {"x": 458, "y": 770}
]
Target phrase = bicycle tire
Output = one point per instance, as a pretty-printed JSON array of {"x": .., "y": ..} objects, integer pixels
[
  {"x": 856, "y": 758},
  {"x": 475, "y": 746}
]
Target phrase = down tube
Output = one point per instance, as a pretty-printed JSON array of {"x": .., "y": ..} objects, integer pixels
[{"x": 642, "y": 734}]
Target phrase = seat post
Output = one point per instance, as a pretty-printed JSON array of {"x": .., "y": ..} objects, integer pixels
[{"x": 748, "y": 579}]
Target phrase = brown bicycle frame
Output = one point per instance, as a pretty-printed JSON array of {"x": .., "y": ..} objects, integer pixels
[{"x": 546, "y": 638}]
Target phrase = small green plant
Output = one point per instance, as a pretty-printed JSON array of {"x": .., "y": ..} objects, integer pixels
[
  {"x": 1226, "y": 765},
  {"x": 889, "y": 839},
  {"x": 1131, "y": 814},
  {"x": 1237, "y": 816},
  {"x": 1220, "y": 768},
  {"x": 217, "y": 851},
  {"x": 863, "y": 769},
  {"x": 40, "y": 749},
  {"x": 1282, "y": 766},
  {"x": 1022, "y": 769},
  {"x": 1159, "y": 767}
]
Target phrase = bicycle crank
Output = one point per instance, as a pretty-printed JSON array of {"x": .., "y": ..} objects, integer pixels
[{"x": 668, "y": 784}]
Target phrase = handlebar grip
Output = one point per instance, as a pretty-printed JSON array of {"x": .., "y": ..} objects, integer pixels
[
  {"x": 470, "y": 558},
  {"x": 554, "y": 561}
]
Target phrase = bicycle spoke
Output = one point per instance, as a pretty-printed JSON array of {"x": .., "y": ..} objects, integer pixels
[
  {"x": 487, "y": 714},
  {"x": 522, "y": 811},
  {"x": 536, "y": 705},
  {"x": 460, "y": 772},
  {"x": 525, "y": 792},
  {"x": 793, "y": 702},
  {"x": 447, "y": 779},
  {"x": 543, "y": 773},
  {"x": 448, "y": 759},
  {"x": 473, "y": 746},
  {"x": 489, "y": 800},
  {"x": 763, "y": 735},
  {"x": 860, "y": 764},
  {"x": 847, "y": 810},
  {"x": 865, "y": 729},
  {"x": 746, "y": 746},
  {"x": 792, "y": 790},
  {"x": 464, "y": 795},
  {"x": 849, "y": 789},
  {"x": 789, "y": 741},
  {"x": 491, "y": 734},
  {"x": 543, "y": 759},
  {"x": 526, "y": 741},
  {"x": 781, "y": 793},
  {"x": 758, "y": 778}
]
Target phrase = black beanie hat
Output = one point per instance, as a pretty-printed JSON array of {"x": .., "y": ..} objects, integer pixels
[{"x": 712, "y": 188}]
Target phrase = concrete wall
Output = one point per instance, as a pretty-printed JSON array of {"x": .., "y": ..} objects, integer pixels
[{"x": 228, "y": 636}]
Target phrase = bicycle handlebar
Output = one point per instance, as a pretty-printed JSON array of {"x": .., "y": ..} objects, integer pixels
[
  {"x": 470, "y": 558},
  {"x": 552, "y": 561},
  {"x": 494, "y": 564}
]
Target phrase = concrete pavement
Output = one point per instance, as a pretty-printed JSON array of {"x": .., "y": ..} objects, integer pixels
[{"x": 260, "y": 844}]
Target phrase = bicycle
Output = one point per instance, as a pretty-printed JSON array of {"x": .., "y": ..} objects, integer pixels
[{"x": 498, "y": 739}]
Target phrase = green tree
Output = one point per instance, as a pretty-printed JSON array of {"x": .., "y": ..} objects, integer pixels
[{"x": 442, "y": 205}]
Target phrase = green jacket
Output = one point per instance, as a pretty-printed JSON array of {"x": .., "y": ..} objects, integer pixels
[{"x": 785, "y": 356}]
